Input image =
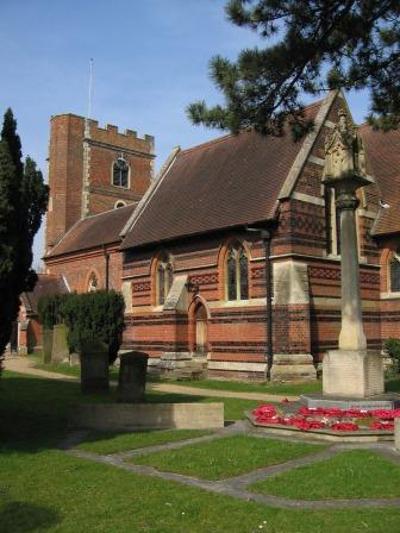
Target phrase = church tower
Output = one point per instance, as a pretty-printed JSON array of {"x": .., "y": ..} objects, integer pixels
[{"x": 92, "y": 170}]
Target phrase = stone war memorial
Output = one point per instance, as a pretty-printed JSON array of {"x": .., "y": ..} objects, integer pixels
[
  {"x": 352, "y": 375},
  {"x": 352, "y": 371}
]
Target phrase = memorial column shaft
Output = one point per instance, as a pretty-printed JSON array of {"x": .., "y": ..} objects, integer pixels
[{"x": 352, "y": 336}]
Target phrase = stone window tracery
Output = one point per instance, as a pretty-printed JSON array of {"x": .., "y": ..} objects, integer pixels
[
  {"x": 394, "y": 270},
  {"x": 164, "y": 278},
  {"x": 237, "y": 274},
  {"x": 120, "y": 173}
]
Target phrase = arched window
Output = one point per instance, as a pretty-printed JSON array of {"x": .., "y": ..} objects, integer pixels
[
  {"x": 93, "y": 284},
  {"x": 164, "y": 278},
  {"x": 394, "y": 268},
  {"x": 332, "y": 223},
  {"x": 119, "y": 203},
  {"x": 237, "y": 274},
  {"x": 120, "y": 173}
]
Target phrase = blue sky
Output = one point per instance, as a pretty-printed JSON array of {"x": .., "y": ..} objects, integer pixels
[{"x": 150, "y": 60}]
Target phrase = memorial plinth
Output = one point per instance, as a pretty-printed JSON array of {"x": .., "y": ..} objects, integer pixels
[{"x": 352, "y": 371}]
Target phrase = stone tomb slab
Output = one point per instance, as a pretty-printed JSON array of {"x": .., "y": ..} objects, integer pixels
[{"x": 131, "y": 417}]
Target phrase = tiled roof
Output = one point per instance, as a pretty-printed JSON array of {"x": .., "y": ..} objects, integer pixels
[
  {"x": 46, "y": 285},
  {"x": 383, "y": 156},
  {"x": 94, "y": 231},
  {"x": 231, "y": 181}
]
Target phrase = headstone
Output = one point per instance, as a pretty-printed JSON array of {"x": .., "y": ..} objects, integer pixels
[
  {"x": 60, "y": 349},
  {"x": 132, "y": 377},
  {"x": 47, "y": 343},
  {"x": 94, "y": 367},
  {"x": 397, "y": 433}
]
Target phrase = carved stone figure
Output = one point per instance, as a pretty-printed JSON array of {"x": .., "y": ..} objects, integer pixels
[{"x": 344, "y": 152}]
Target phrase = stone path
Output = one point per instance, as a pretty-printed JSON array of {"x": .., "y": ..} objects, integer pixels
[
  {"x": 24, "y": 365},
  {"x": 236, "y": 487}
]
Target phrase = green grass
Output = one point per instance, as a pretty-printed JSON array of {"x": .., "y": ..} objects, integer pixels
[
  {"x": 106, "y": 443},
  {"x": 352, "y": 474},
  {"x": 233, "y": 386},
  {"x": 65, "y": 368},
  {"x": 226, "y": 457},
  {"x": 265, "y": 387},
  {"x": 43, "y": 489}
]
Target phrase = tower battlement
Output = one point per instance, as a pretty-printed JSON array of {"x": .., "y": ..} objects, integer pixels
[{"x": 84, "y": 176}]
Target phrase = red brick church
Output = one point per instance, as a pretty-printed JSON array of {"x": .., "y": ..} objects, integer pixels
[{"x": 230, "y": 258}]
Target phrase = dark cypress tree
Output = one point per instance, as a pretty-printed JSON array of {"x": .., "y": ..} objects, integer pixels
[
  {"x": 312, "y": 46},
  {"x": 23, "y": 202}
]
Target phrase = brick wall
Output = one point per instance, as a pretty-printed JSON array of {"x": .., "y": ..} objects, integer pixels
[
  {"x": 80, "y": 171},
  {"x": 77, "y": 268}
]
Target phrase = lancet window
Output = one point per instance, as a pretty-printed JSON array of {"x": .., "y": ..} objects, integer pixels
[
  {"x": 394, "y": 268},
  {"x": 164, "y": 278},
  {"x": 237, "y": 274}
]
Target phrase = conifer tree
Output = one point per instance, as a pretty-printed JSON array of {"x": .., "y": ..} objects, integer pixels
[
  {"x": 23, "y": 202},
  {"x": 311, "y": 46}
]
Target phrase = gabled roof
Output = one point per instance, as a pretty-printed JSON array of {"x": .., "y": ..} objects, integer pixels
[
  {"x": 383, "y": 156},
  {"x": 46, "y": 285},
  {"x": 230, "y": 181},
  {"x": 94, "y": 231}
]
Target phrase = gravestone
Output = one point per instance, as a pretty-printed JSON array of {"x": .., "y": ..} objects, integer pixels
[
  {"x": 132, "y": 377},
  {"x": 94, "y": 367},
  {"x": 47, "y": 345},
  {"x": 60, "y": 349},
  {"x": 397, "y": 433}
]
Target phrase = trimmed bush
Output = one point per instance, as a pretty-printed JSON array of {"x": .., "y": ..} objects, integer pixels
[
  {"x": 393, "y": 348},
  {"x": 91, "y": 316},
  {"x": 50, "y": 310}
]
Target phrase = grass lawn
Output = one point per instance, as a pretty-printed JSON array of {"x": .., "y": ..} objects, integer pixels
[
  {"x": 352, "y": 474},
  {"x": 105, "y": 443},
  {"x": 294, "y": 389},
  {"x": 226, "y": 457},
  {"x": 43, "y": 489},
  {"x": 65, "y": 368}
]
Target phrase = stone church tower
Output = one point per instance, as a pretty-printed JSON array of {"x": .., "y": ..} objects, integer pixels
[{"x": 92, "y": 170}]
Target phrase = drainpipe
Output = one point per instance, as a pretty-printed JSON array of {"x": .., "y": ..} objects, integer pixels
[
  {"x": 107, "y": 259},
  {"x": 265, "y": 236}
]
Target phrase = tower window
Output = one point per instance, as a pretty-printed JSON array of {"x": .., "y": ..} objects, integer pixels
[
  {"x": 237, "y": 274},
  {"x": 120, "y": 173}
]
